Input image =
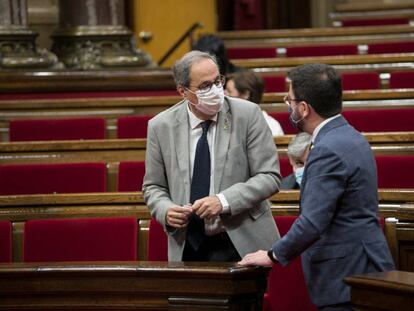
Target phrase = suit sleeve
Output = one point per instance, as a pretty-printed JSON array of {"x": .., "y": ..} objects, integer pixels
[
  {"x": 263, "y": 166},
  {"x": 325, "y": 182},
  {"x": 155, "y": 185}
]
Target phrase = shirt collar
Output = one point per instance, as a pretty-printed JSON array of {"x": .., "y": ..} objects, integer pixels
[
  {"x": 321, "y": 125},
  {"x": 194, "y": 121}
]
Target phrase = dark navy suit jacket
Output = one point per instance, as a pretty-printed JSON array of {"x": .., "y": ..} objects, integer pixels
[{"x": 337, "y": 231}]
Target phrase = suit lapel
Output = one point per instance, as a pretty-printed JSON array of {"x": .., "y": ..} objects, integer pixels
[
  {"x": 222, "y": 140},
  {"x": 181, "y": 134}
]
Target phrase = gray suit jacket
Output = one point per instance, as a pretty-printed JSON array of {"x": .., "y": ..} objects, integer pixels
[
  {"x": 246, "y": 171},
  {"x": 337, "y": 232}
]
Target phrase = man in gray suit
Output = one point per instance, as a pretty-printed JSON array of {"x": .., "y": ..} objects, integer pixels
[
  {"x": 337, "y": 232},
  {"x": 243, "y": 169}
]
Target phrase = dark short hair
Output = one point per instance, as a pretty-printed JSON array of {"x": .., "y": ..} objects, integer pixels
[
  {"x": 320, "y": 86},
  {"x": 246, "y": 80},
  {"x": 215, "y": 46}
]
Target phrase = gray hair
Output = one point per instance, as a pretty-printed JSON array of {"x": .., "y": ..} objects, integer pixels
[
  {"x": 298, "y": 145},
  {"x": 182, "y": 67}
]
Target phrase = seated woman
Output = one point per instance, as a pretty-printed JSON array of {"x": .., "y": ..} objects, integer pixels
[
  {"x": 298, "y": 150},
  {"x": 247, "y": 85}
]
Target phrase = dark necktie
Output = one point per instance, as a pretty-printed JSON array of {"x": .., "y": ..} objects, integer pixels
[{"x": 200, "y": 186}]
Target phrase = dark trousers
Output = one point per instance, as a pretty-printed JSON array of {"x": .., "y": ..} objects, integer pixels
[
  {"x": 339, "y": 307},
  {"x": 214, "y": 248}
]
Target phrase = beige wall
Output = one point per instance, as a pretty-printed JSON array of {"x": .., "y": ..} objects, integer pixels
[{"x": 167, "y": 20}]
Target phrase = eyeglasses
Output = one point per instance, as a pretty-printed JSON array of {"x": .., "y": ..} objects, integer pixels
[
  {"x": 206, "y": 86},
  {"x": 288, "y": 100}
]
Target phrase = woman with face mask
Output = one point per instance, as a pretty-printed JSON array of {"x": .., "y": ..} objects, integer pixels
[{"x": 297, "y": 152}]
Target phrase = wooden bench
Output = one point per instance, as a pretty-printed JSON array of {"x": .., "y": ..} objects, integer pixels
[
  {"x": 131, "y": 286},
  {"x": 395, "y": 204},
  {"x": 112, "y": 108}
]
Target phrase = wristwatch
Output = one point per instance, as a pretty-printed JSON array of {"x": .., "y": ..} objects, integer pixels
[{"x": 270, "y": 254}]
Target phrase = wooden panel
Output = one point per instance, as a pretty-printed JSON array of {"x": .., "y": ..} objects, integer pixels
[
  {"x": 131, "y": 286},
  {"x": 393, "y": 291}
]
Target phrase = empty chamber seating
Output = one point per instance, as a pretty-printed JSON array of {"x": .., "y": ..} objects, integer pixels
[
  {"x": 52, "y": 178},
  {"x": 84, "y": 239},
  {"x": 157, "y": 242},
  {"x": 395, "y": 171},
  {"x": 57, "y": 129},
  {"x": 5, "y": 241}
]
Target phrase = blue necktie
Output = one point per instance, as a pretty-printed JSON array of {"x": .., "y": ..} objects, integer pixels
[{"x": 200, "y": 186}]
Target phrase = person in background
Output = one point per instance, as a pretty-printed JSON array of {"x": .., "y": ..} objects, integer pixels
[
  {"x": 247, "y": 85},
  {"x": 211, "y": 164},
  {"x": 337, "y": 232},
  {"x": 297, "y": 152},
  {"x": 215, "y": 46}
]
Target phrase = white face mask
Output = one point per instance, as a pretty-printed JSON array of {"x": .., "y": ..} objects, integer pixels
[
  {"x": 210, "y": 103},
  {"x": 299, "y": 174}
]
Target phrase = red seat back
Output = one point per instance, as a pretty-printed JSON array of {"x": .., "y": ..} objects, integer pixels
[
  {"x": 85, "y": 239},
  {"x": 18, "y": 179},
  {"x": 321, "y": 50},
  {"x": 133, "y": 126},
  {"x": 285, "y": 167},
  {"x": 5, "y": 241},
  {"x": 395, "y": 171},
  {"x": 286, "y": 288},
  {"x": 157, "y": 242},
  {"x": 244, "y": 53},
  {"x": 131, "y": 176},
  {"x": 391, "y": 47},
  {"x": 57, "y": 129},
  {"x": 403, "y": 79},
  {"x": 381, "y": 120},
  {"x": 275, "y": 84},
  {"x": 361, "y": 81}
]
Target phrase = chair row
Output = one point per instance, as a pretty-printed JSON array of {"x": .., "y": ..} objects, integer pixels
[
  {"x": 320, "y": 50},
  {"x": 394, "y": 171},
  {"x": 135, "y": 126},
  {"x": 115, "y": 239},
  {"x": 353, "y": 81}
]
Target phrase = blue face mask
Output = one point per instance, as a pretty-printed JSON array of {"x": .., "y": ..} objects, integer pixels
[{"x": 299, "y": 174}]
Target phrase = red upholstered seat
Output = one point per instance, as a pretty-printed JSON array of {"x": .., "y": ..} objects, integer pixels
[
  {"x": 391, "y": 47},
  {"x": 18, "y": 179},
  {"x": 374, "y": 22},
  {"x": 84, "y": 239},
  {"x": 131, "y": 175},
  {"x": 133, "y": 126},
  {"x": 275, "y": 84},
  {"x": 157, "y": 242},
  {"x": 286, "y": 288},
  {"x": 283, "y": 118},
  {"x": 244, "y": 53},
  {"x": 57, "y": 129},
  {"x": 395, "y": 171},
  {"x": 5, "y": 241},
  {"x": 361, "y": 81},
  {"x": 285, "y": 167},
  {"x": 322, "y": 50},
  {"x": 381, "y": 120},
  {"x": 402, "y": 79}
]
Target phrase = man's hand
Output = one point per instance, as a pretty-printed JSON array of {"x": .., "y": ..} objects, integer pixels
[
  {"x": 178, "y": 216},
  {"x": 207, "y": 207},
  {"x": 258, "y": 258}
]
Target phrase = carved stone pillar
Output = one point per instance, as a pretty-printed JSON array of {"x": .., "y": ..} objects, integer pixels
[
  {"x": 93, "y": 35},
  {"x": 17, "y": 42}
]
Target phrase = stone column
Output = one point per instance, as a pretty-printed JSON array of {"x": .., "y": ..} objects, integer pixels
[
  {"x": 93, "y": 35},
  {"x": 17, "y": 42}
]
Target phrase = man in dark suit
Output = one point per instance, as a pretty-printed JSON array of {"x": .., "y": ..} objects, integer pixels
[{"x": 337, "y": 232}]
